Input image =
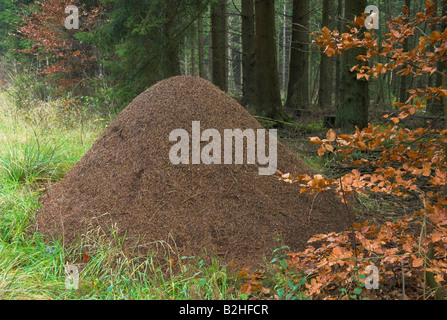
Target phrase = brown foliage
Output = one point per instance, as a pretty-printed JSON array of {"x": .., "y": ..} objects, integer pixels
[
  {"x": 64, "y": 58},
  {"x": 410, "y": 251}
]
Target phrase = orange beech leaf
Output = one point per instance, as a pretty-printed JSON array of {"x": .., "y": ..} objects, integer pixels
[
  {"x": 331, "y": 135},
  {"x": 304, "y": 190},
  {"x": 317, "y": 182},
  {"x": 242, "y": 274},
  {"x": 304, "y": 177},
  {"x": 286, "y": 176},
  {"x": 330, "y": 51},
  {"x": 322, "y": 151},
  {"x": 420, "y": 15},
  {"x": 408, "y": 247},
  {"x": 345, "y": 137},
  {"x": 265, "y": 291},
  {"x": 337, "y": 251},
  {"x": 395, "y": 120},
  {"x": 316, "y": 141},
  {"x": 86, "y": 257},
  {"x": 360, "y": 21},
  {"x": 426, "y": 170},
  {"x": 418, "y": 262},
  {"x": 361, "y": 145},
  {"x": 435, "y": 36},
  {"x": 436, "y": 237},
  {"x": 326, "y": 32}
]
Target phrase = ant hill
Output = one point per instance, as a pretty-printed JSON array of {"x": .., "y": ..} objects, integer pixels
[{"x": 128, "y": 181}]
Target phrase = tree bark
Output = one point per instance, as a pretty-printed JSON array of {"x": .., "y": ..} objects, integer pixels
[
  {"x": 171, "y": 61},
  {"x": 403, "y": 94},
  {"x": 268, "y": 86},
  {"x": 285, "y": 49},
  {"x": 201, "y": 52},
  {"x": 436, "y": 107},
  {"x": 193, "y": 50},
  {"x": 327, "y": 65},
  {"x": 338, "y": 58},
  {"x": 298, "y": 86},
  {"x": 353, "y": 103},
  {"x": 237, "y": 64},
  {"x": 219, "y": 27},
  {"x": 248, "y": 53}
]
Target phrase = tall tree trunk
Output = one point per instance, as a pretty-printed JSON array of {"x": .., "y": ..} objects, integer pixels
[
  {"x": 444, "y": 66},
  {"x": 208, "y": 59},
  {"x": 248, "y": 53},
  {"x": 395, "y": 84},
  {"x": 285, "y": 49},
  {"x": 403, "y": 94},
  {"x": 236, "y": 54},
  {"x": 435, "y": 106},
  {"x": 230, "y": 77},
  {"x": 219, "y": 27},
  {"x": 338, "y": 58},
  {"x": 327, "y": 65},
  {"x": 193, "y": 50},
  {"x": 201, "y": 52},
  {"x": 353, "y": 103},
  {"x": 298, "y": 87},
  {"x": 268, "y": 87},
  {"x": 171, "y": 61}
]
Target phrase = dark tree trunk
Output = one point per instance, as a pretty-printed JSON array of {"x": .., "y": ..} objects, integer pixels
[
  {"x": 268, "y": 87},
  {"x": 193, "y": 50},
  {"x": 403, "y": 91},
  {"x": 353, "y": 103},
  {"x": 444, "y": 66},
  {"x": 219, "y": 26},
  {"x": 327, "y": 63},
  {"x": 298, "y": 86},
  {"x": 338, "y": 58},
  {"x": 248, "y": 53},
  {"x": 201, "y": 52},
  {"x": 236, "y": 55},
  {"x": 171, "y": 61},
  {"x": 436, "y": 106}
]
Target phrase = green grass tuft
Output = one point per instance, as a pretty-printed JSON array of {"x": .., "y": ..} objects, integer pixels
[{"x": 29, "y": 161}]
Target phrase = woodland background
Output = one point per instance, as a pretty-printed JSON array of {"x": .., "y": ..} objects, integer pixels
[
  {"x": 375, "y": 102},
  {"x": 123, "y": 47}
]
